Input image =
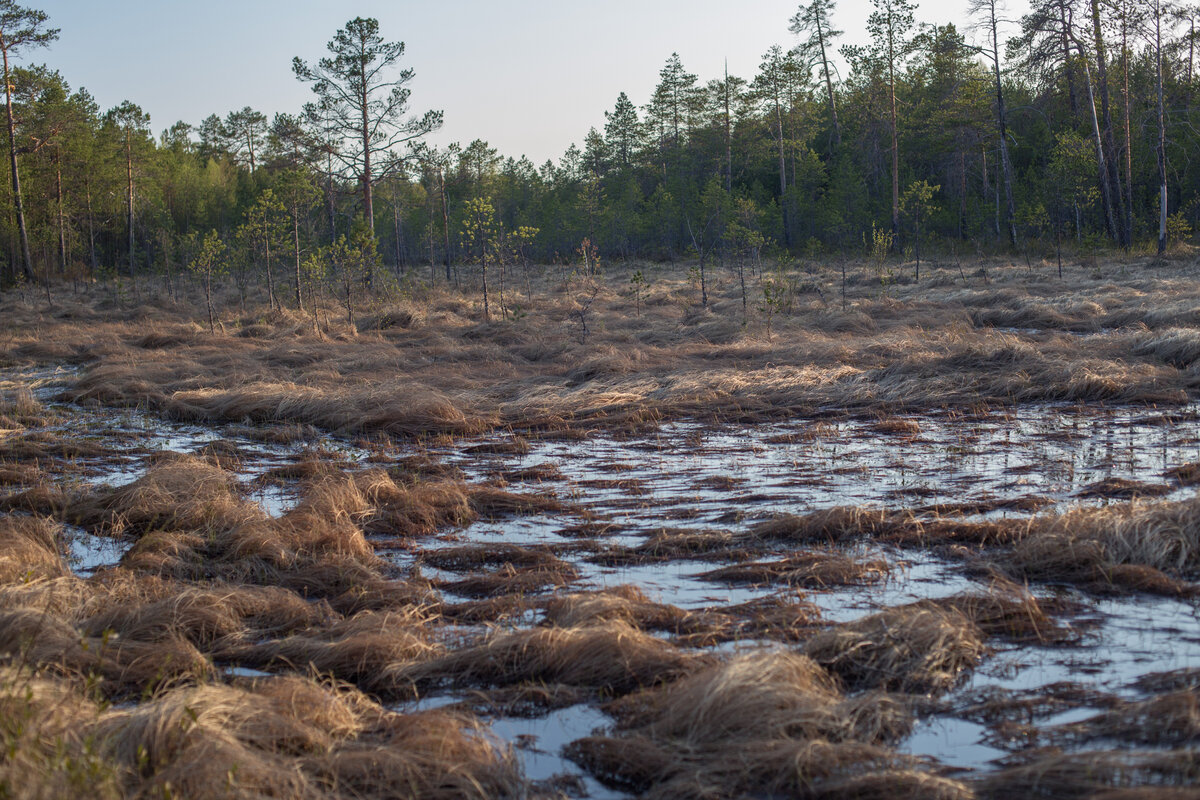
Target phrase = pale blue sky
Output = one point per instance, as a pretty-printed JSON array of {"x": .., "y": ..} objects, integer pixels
[{"x": 529, "y": 76}]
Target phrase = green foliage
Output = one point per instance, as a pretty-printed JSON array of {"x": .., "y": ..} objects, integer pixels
[
  {"x": 794, "y": 159},
  {"x": 1178, "y": 228},
  {"x": 208, "y": 259},
  {"x": 877, "y": 245}
]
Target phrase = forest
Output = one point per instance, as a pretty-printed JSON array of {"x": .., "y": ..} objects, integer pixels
[{"x": 1075, "y": 133}]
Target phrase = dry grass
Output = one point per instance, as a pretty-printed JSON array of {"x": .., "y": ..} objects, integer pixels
[
  {"x": 178, "y": 493},
  {"x": 1169, "y": 720},
  {"x": 811, "y": 570},
  {"x": 33, "y": 637},
  {"x": 770, "y": 695},
  {"x": 626, "y": 603},
  {"x": 29, "y": 549},
  {"x": 212, "y": 581},
  {"x": 362, "y": 649},
  {"x": 629, "y": 604},
  {"x": 19, "y": 408},
  {"x": 433, "y": 366},
  {"x": 294, "y": 739},
  {"x": 510, "y": 580},
  {"x": 915, "y": 649},
  {"x": 209, "y": 617},
  {"x": 47, "y": 754},
  {"x": 1009, "y": 611},
  {"x": 1081, "y": 775},
  {"x": 844, "y": 524},
  {"x": 764, "y": 724},
  {"x": 1116, "y": 548},
  {"x": 608, "y": 657},
  {"x": 993, "y": 706}
]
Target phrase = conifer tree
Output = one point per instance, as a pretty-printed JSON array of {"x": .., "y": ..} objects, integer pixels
[
  {"x": 20, "y": 29},
  {"x": 366, "y": 101}
]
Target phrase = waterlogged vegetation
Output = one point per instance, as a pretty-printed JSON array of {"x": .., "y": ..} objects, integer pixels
[
  {"x": 337, "y": 465},
  {"x": 939, "y": 543}
]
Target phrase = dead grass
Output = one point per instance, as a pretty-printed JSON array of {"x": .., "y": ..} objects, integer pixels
[
  {"x": 511, "y": 580},
  {"x": 212, "y": 581},
  {"x": 33, "y": 637},
  {"x": 762, "y": 724},
  {"x": 1080, "y": 775},
  {"x": 46, "y": 750},
  {"x": 1169, "y": 720},
  {"x": 914, "y": 649},
  {"x": 626, "y": 603},
  {"x": 361, "y": 649},
  {"x": 431, "y": 367},
  {"x": 29, "y": 549},
  {"x": 1009, "y": 611},
  {"x": 811, "y": 570},
  {"x": 608, "y": 657},
  {"x": 994, "y": 706},
  {"x": 1133, "y": 546},
  {"x": 770, "y": 696},
  {"x": 180, "y": 493},
  {"x": 293, "y": 738},
  {"x": 844, "y": 524},
  {"x": 210, "y": 617}
]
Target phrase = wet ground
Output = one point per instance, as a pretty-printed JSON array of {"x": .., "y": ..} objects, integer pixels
[{"x": 700, "y": 478}]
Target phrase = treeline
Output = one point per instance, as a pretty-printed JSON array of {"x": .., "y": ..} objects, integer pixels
[{"x": 1078, "y": 129}]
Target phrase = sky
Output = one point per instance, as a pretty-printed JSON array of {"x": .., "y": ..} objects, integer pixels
[{"x": 528, "y": 76}]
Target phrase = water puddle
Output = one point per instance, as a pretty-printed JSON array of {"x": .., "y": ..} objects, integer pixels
[
  {"x": 993, "y": 464},
  {"x": 85, "y": 553}
]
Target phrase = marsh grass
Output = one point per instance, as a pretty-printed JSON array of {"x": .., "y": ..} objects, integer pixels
[
  {"x": 773, "y": 723},
  {"x": 330, "y": 599},
  {"x": 416, "y": 370},
  {"x": 817, "y": 569},
  {"x": 605, "y": 657},
  {"x": 916, "y": 649},
  {"x": 1088, "y": 774}
]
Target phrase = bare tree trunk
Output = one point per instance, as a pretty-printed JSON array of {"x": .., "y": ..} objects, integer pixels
[
  {"x": 1002, "y": 126},
  {"x": 1068, "y": 70},
  {"x": 837, "y": 130},
  {"x": 1127, "y": 132},
  {"x": 1162, "y": 133},
  {"x": 962, "y": 194},
  {"x": 895, "y": 138},
  {"x": 270, "y": 279},
  {"x": 296, "y": 254},
  {"x": 783, "y": 201},
  {"x": 212, "y": 322},
  {"x": 1113, "y": 173},
  {"x": 62, "y": 227},
  {"x": 18, "y": 204},
  {"x": 368, "y": 200},
  {"x": 129, "y": 200},
  {"x": 1105, "y": 186},
  {"x": 94, "y": 261},
  {"x": 445, "y": 219},
  {"x": 396, "y": 224},
  {"x": 728, "y": 136},
  {"x": 487, "y": 311}
]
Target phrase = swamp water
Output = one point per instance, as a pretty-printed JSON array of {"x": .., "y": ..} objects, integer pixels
[{"x": 701, "y": 478}]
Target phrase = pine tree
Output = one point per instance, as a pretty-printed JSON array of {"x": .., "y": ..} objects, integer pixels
[
  {"x": 365, "y": 101},
  {"x": 20, "y": 29},
  {"x": 813, "y": 22}
]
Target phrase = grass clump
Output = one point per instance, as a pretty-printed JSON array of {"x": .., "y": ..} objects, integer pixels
[
  {"x": 769, "y": 723},
  {"x": 915, "y": 649}
]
